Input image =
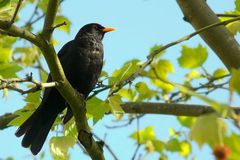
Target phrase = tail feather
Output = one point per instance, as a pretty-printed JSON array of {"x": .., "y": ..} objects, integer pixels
[
  {"x": 25, "y": 126},
  {"x": 41, "y": 135},
  {"x": 36, "y": 129},
  {"x": 38, "y": 125}
]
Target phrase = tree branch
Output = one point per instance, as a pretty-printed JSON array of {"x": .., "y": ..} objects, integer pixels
[
  {"x": 10, "y": 84},
  {"x": 5, "y": 119},
  {"x": 49, "y": 19},
  {"x": 221, "y": 41},
  {"x": 175, "y": 109}
]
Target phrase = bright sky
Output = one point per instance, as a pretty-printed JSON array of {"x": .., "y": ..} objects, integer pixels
[{"x": 140, "y": 24}]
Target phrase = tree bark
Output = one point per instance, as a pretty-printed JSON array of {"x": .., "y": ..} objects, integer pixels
[{"x": 219, "y": 39}]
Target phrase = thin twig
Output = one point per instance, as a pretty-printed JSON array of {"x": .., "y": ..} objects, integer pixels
[
  {"x": 10, "y": 84},
  {"x": 138, "y": 140},
  {"x": 58, "y": 25},
  {"x": 107, "y": 146},
  {"x": 152, "y": 55},
  {"x": 16, "y": 11},
  {"x": 228, "y": 15}
]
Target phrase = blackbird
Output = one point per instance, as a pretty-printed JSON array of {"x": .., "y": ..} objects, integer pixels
[{"x": 82, "y": 61}]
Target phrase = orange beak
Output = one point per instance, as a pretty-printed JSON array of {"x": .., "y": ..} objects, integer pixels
[{"x": 108, "y": 29}]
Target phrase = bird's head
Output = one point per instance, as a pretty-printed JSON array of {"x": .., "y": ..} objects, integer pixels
[{"x": 94, "y": 29}]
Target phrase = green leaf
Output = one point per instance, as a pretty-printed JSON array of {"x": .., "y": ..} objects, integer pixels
[
  {"x": 186, "y": 149},
  {"x": 60, "y": 19},
  {"x": 9, "y": 158},
  {"x": 43, "y": 76},
  {"x": 166, "y": 87},
  {"x": 6, "y": 54},
  {"x": 7, "y": 9},
  {"x": 28, "y": 55},
  {"x": 208, "y": 129},
  {"x": 115, "y": 104},
  {"x": 220, "y": 72},
  {"x": 144, "y": 91},
  {"x": 127, "y": 93},
  {"x": 193, "y": 57},
  {"x": 173, "y": 145},
  {"x": 144, "y": 135},
  {"x": 193, "y": 74},
  {"x": 7, "y": 41},
  {"x": 3, "y": 3},
  {"x": 158, "y": 145},
  {"x": 164, "y": 65},
  {"x": 42, "y": 4},
  {"x": 104, "y": 74},
  {"x": 70, "y": 129},
  {"x": 186, "y": 121},
  {"x": 33, "y": 99},
  {"x": 59, "y": 147},
  {"x": 23, "y": 115},
  {"x": 234, "y": 27},
  {"x": 232, "y": 142},
  {"x": 237, "y": 4},
  {"x": 154, "y": 49},
  {"x": 9, "y": 70},
  {"x": 97, "y": 108},
  {"x": 234, "y": 83},
  {"x": 124, "y": 72}
]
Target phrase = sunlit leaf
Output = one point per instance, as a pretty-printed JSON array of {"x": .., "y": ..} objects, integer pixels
[
  {"x": 60, "y": 19},
  {"x": 173, "y": 145},
  {"x": 70, "y": 129},
  {"x": 115, "y": 104},
  {"x": 208, "y": 129},
  {"x": 158, "y": 145},
  {"x": 144, "y": 135},
  {"x": 7, "y": 9},
  {"x": 186, "y": 121},
  {"x": 42, "y": 4},
  {"x": 33, "y": 98},
  {"x": 125, "y": 71},
  {"x": 59, "y": 147},
  {"x": 186, "y": 148},
  {"x": 234, "y": 83},
  {"x": 144, "y": 91},
  {"x": 127, "y": 93},
  {"x": 23, "y": 115},
  {"x": 154, "y": 50},
  {"x": 97, "y": 108},
  {"x": 220, "y": 72},
  {"x": 232, "y": 142},
  {"x": 6, "y": 54},
  {"x": 237, "y": 5},
  {"x": 3, "y": 3},
  {"x": 166, "y": 87},
  {"x": 193, "y": 74},
  {"x": 149, "y": 147},
  {"x": 9, "y": 70},
  {"x": 164, "y": 65},
  {"x": 28, "y": 55},
  {"x": 193, "y": 57}
]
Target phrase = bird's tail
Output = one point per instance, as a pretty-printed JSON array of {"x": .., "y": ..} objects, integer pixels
[{"x": 36, "y": 129}]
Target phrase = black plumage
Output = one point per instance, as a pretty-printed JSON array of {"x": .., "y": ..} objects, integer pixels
[{"x": 82, "y": 60}]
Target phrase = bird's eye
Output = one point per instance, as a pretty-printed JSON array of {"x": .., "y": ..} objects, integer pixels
[{"x": 95, "y": 27}]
